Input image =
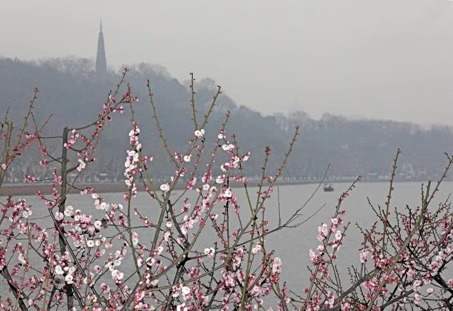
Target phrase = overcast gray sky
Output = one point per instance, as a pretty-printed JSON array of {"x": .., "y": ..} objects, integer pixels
[{"x": 388, "y": 59}]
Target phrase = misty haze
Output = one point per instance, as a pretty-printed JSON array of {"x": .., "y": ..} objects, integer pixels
[{"x": 226, "y": 155}]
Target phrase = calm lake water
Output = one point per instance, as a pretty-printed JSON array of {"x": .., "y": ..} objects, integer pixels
[{"x": 292, "y": 245}]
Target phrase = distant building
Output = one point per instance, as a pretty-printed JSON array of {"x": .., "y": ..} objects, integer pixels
[{"x": 101, "y": 60}]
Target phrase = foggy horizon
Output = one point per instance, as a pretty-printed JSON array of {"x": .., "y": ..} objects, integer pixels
[{"x": 368, "y": 59}]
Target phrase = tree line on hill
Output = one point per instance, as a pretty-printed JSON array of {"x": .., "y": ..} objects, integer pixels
[{"x": 71, "y": 94}]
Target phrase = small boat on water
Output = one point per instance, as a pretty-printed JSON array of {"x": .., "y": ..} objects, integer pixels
[{"x": 328, "y": 188}]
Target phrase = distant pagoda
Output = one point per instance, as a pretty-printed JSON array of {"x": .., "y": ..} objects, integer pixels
[{"x": 101, "y": 60}]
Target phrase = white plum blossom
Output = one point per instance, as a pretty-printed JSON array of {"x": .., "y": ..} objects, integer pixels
[
  {"x": 323, "y": 231},
  {"x": 58, "y": 270},
  {"x": 199, "y": 133},
  {"x": 154, "y": 282},
  {"x": 81, "y": 165},
  {"x": 59, "y": 216},
  {"x": 132, "y": 163},
  {"x": 117, "y": 275},
  {"x": 97, "y": 224},
  {"x": 165, "y": 187},
  {"x": 187, "y": 157},
  {"x": 185, "y": 291},
  {"x": 101, "y": 205},
  {"x": 220, "y": 180},
  {"x": 209, "y": 252},
  {"x": 364, "y": 256},
  {"x": 338, "y": 235},
  {"x": 227, "y": 193},
  {"x": 90, "y": 243},
  {"x": 69, "y": 279},
  {"x": 227, "y": 147},
  {"x": 277, "y": 265},
  {"x": 21, "y": 258},
  {"x": 69, "y": 211},
  {"x": 256, "y": 249}
]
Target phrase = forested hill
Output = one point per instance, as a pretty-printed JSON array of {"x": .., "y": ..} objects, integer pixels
[{"x": 72, "y": 95}]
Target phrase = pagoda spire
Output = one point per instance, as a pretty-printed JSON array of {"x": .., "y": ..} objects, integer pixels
[{"x": 101, "y": 60}]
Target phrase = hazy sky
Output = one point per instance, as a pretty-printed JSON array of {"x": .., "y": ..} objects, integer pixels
[{"x": 388, "y": 59}]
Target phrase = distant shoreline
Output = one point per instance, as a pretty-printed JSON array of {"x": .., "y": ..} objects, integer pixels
[{"x": 32, "y": 189}]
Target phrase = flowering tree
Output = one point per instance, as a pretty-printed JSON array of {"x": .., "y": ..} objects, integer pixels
[
  {"x": 196, "y": 246},
  {"x": 404, "y": 258}
]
